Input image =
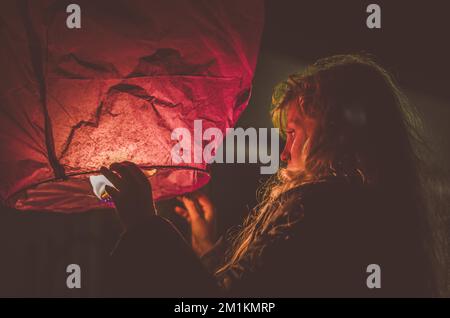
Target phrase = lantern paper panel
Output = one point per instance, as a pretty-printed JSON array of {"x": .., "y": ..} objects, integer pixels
[{"x": 73, "y": 100}]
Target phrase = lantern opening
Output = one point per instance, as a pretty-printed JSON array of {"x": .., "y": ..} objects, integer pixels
[{"x": 75, "y": 193}]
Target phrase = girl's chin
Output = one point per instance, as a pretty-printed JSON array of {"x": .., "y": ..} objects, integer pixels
[
  {"x": 290, "y": 172},
  {"x": 293, "y": 169}
]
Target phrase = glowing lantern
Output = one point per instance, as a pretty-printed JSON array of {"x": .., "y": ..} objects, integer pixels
[{"x": 73, "y": 100}]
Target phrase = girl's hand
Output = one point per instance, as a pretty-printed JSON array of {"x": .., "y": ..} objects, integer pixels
[
  {"x": 133, "y": 194},
  {"x": 199, "y": 212}
]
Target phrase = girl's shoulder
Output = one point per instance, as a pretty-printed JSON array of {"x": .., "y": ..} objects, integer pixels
[
  {"x": 328, "y": 199},
  {"x": 324, "y": 188}
]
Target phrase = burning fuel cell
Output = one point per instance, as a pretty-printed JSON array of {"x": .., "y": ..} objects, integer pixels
[{"x": 99, "y": 183}]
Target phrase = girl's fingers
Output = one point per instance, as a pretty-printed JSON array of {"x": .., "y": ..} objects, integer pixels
[
  {"x": 113, "y": 193},
  {"x": 190, "y": 207},
  {"x": 137, "y": 174},
  {"x": 126, "y": 176},
  {"x": 112, "y": 177},
  {"x": 182, "y": 212},
  {"x": 206, "y": 205}
]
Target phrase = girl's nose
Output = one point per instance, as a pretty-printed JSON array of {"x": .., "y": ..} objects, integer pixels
[{"x": 285, "y": 155}]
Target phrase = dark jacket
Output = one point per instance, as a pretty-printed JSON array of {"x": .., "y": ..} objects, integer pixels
[{"x": 337, "y": 227}]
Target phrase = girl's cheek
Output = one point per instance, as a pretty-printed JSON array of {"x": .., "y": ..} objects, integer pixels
[
  {"x": 294, "y": 143},
  {"x": 290, "y": 144},
  {"x": 299, "y": 139},
  {"x": 286, "y": 147}
]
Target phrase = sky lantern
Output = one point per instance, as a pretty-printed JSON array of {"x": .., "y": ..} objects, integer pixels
[{"x": 114, "y": 89}]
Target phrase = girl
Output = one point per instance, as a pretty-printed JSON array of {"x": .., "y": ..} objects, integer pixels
[{"x": 345, "y": 216}]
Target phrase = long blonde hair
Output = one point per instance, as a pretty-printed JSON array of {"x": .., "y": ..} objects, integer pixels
[{"x": 361, "y": 119}]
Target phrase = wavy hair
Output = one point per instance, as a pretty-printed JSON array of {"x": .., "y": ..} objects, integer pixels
[{"x": 364, "y": 127}]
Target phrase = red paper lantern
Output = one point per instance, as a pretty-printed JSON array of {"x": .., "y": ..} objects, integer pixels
[{"x": 73, "y": 100}]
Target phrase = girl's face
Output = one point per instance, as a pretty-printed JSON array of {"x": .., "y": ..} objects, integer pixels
[{"x": 298, "y": 130}]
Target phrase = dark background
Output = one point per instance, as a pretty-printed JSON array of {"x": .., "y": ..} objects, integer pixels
[{"x": 412, "y": 43}]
